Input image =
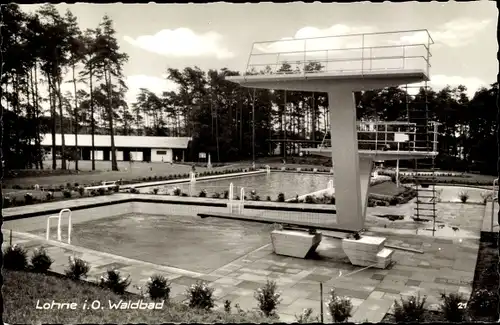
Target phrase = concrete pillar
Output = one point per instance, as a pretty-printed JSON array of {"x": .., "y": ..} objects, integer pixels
[
  {"x": 348, "y": 194},
  {"x": 365, "y": 171}
]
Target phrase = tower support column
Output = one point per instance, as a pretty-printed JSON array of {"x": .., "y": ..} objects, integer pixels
[{"x": 352, "y": 176}]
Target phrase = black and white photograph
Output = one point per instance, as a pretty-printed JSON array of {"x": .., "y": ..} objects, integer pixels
[{"x": 250, "y": 163}]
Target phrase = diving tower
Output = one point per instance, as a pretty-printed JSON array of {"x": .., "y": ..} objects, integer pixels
[{"x": 339, "y": 66}]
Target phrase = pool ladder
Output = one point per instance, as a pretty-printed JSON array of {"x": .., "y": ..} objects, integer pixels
[
  {"x": 231, "y": 199},
  {"x": 59, "y": 219}
]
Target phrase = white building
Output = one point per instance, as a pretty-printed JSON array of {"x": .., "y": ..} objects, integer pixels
[{"x": 136, "y": 148}]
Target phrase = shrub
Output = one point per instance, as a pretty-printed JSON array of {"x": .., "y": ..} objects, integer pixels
[
  {"x": 216, "y": 195},
  {"x": 16, "y": 187},
  {"x": 158, "y": 287},
  {"x": 268, "y": 198},
  {"x": 394, "y": 200},
  {"x": 306, "y": 317},
  {"x": 486, "y": 196},
  {"x": 76, "y": 184},
  {"x": 101, "y": 191},
  {"x": 116, "y": 188},
  {"x": 81, "y": 190},
  {"x": 77, "y": 269},
  {"x": 155, "y": 190},
  {"x": 113, "y": 281},
  {"x": 7, "y": 202},
  {"x": 28, "y": 198},
  {"x": 94, "y": 193},
  {"x": 49, "y": 196},
  {"x": 184, "y": 194},
  {"x": 268, "y": 298},
  {"x": 226, "y": 194},
  {"x": 201, "y": 296},
  {"x": 453, "y": 307},
  {"x": 133, "y": 190},
  {"x": 281, "y": 197},
  {"x": 309, "y": 199},
  {"x": 332, "y": 200},
  {"x": 340, "y": 308},
  {"x": 67, "y": 193},
  {"x": 15, "y": 258},
  {"x": 410, "y": 310},
  {"x": 256, "y": 198},
  {"x": 227, "y": 306},
  {"x": 464, "y": 196},
  {"x": 177, "y": 191},
  {"x": 483, "y": 303},
  {"x": 203, "y": 193},
  {"x": 41, "y": 261}
]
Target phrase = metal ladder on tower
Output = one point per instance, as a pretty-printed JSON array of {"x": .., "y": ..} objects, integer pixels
[{"x": 425, "y": 182}]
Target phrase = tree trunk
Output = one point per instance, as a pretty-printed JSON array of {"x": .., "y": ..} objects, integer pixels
[
  {"x": 59, "y": 96},
  {"x": 92, "y": 122},
  {"x": 114, "y": 164},
  {"x": 53, "y": 122},
  {"x": 37, "y": 112},
  {"x": 77, "y": 152}
]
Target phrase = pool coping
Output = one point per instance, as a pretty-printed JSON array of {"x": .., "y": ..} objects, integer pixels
[{"x": 45, "y": 208}]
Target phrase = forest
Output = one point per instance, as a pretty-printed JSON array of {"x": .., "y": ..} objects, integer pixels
[{"x": 44, "y": 49}]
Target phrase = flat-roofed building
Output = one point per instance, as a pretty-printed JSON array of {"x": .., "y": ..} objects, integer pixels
[{"x": 128, "y": 147}]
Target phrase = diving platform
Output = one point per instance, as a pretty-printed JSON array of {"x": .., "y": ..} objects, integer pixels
[
  {"x": 389, "y": 141},
  {"x": 339, "y": 66}
]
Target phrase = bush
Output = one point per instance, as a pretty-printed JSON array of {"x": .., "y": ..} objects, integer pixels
[
  {"x": 464, "y": 196},
  {"x": 15, "y": 258},
  {"x": 227, "y": 306},
  {"x": 203, "y": 193},
  {"x": 177, "y": 191},
  {"x": 410, "y": 310},
  {"x": 158, "y": 287},
  {"x": 453, "y": 307},
  {"x": 340, "y": 308},
  {"x": 67, "y": 194},
  {"x": 155, "y": 190},
  {"x": 201, "y": 296},
  {"x": 486, "y": 196},
  {"x": 41, "y": 261},
  {"x": 116, "y": 188},
  {"x": 28, "y": 198},
  {"x": 133, "y": 190},
  {"x": 115, "y": 282},
  {"x": 226, "y": 194},
  {"x": 268, "y": 198},
  {"x": 216, "y": 195},
  {"x": 483, "y": 303},
  {"x": 49, "y": 196},
  {"x": 184, "y": 194},
  {"x": 268, "y": 298},
  {"x": 77, "y": 269},
  {"x": 7, "y": 202},
  {"x": 309, "y": 199},
  {"x": 306, "y": 317},
  {"x": 81, "y": 190},
  {"x": 101, "y": 191},
  {"x": 281, "y": 197}
]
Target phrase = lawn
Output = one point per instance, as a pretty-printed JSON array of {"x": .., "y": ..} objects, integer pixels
[{"x": 23, "y": 290}]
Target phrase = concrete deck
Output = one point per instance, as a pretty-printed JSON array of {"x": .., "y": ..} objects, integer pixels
[{"x": 447, "y": 264}]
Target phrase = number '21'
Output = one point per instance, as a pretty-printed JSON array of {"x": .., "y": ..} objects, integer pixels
[{"x": 462, "y": 305}]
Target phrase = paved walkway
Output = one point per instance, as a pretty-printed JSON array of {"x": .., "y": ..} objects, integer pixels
[{"x": 447, "y": 264}]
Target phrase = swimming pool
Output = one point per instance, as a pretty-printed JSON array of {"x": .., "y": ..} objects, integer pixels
[{"x": 290, "y": 184}]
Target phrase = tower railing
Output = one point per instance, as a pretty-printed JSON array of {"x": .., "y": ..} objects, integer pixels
[
  {"x": 384, "y": 136},
  {"x": 354, "y": 53}
]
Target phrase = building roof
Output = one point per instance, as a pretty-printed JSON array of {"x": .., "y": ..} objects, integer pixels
[{"x": 121, "y": 141}]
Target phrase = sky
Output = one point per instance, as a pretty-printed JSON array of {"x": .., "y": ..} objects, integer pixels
[{"x": 214, "y": 36}]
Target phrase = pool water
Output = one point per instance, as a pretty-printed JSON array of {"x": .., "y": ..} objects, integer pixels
[
  {"x": 190, "y": 243},
  {"x": 290, "y": 184}
]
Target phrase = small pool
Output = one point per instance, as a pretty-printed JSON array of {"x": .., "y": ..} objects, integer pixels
[{"x": 291, "y": 184}]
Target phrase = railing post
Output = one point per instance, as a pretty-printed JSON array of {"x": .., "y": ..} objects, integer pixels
[
  {"x": 362, "y": 53},
  {"x": 404, "y": 48},
  {"x": 385, "y": 136},
  {"x": 305, "y": 51},
  {"x": 230, "y": 196},
  {"x": 376, "y": 135},
  {"x": 493, "y": 203},
  {"x": 242, "y": 200}
]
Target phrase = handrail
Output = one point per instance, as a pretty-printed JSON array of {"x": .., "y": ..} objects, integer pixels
[
  {"x": 59, "y": 218},
  {"x": 494, "y": 198},
  {"x": 242, "y": 200},
  {"x": 348, "y": 35}
]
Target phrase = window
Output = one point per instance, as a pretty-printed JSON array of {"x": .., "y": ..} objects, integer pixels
[{"x": 158, "y": 152}]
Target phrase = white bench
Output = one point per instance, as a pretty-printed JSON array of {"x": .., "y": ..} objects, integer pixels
[
  {"x": 294, "y": 243},
  {"x": 367, "y": 251}
]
